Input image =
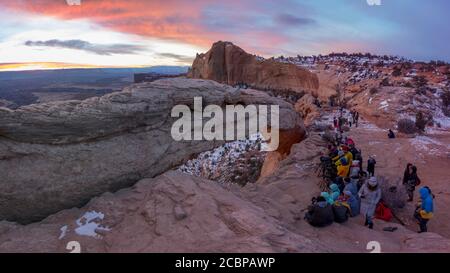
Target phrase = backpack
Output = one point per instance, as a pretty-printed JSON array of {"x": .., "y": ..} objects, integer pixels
[
  {"x": 382, "y": 212},
  {"x": 341, "y": 211}
]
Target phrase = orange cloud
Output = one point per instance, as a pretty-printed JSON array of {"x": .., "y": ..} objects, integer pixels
[
  {"x": 42, "y": 65},
  {"x": 176, "y": 20}
]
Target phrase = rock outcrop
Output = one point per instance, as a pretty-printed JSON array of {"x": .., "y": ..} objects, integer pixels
[
  {"x": 171, "y": 213},
  {"x": 59, "y": 155},
  {"x": 307, "y": 108},
  {"x": 227, "y": 63}
]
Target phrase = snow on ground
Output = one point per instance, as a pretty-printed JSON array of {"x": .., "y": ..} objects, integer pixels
[
  {"x": 88, "y": 224},
  {"x": 384, "y": 105},
  {"x": 207, "y": 164},
  {"x": 429, "y": 145},
  {"x": 64, "y": 230}
]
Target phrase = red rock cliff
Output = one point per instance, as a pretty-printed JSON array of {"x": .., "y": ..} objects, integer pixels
[{"x": 229, "y": 64}]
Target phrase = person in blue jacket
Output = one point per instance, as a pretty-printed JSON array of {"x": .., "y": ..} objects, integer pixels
[
  {"x": 425, "y": 208},
  {"x": 353, "y": 202}
]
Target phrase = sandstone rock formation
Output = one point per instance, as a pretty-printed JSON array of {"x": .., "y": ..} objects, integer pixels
[
  {"x": 227, "y": 63},
  {"x": 307, "y": 109},
  {"x": 171, "y": 213},
  {"x": 59, "y": 155}
]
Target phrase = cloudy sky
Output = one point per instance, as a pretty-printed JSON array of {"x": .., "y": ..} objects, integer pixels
[{"x": 129, "y": 33}]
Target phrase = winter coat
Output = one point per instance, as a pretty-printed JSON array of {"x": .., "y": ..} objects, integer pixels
[
  {"x": 320, "y": 214},
  {"x": 426, "y": 206},
  {"x": 343, "y": 170},
  {"x": 341, "y": 211},
  {"x": 412, "y": 182},
  {"x": 327, "y": 197},
  {"x": 352, "y": 187},
  {"x": 335, "y": 192},
  {"x": 369, "y": 199},
  {"x": 353, "y": 202}
]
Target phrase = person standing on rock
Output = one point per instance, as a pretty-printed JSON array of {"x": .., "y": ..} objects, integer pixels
[
  {"x": 425, "y": 209},
  {"x": 412, "y": 181},
  {"x": 371, "y": 162},
  {"x": 356, "y": 119},
  {"x": 370, "y": 195}
]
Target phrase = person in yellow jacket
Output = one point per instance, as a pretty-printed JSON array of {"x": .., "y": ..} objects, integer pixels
[
  {"x": 425, "y": 209},
  {"x": 343, "y": 153},
  {"x": 343, "y": 168}
]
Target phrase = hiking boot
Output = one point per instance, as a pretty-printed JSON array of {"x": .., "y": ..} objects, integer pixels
[
  {"x": 371, "y": 225},
  {"x": 366, "y": 223}
]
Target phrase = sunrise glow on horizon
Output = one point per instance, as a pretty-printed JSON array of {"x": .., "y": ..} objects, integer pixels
[{"x": 50, "y": 34}]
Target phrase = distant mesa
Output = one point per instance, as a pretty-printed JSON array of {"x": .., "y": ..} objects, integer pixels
[
  {"x": 229, "y": 64},
  {"x": 152, "y": 76}
]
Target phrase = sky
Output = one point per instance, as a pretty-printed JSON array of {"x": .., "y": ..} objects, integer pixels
[{"x": 44, "y": 34}]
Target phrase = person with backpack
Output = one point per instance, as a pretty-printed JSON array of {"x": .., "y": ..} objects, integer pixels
[
  {"x": 425, "y": 208},
  {"x": 370, "y": 195},
  {"x": 320, "y": 213},
  {"x": 341, "y": 211},
  {"x": 352, "y": 200},
  {"x": 412, "y": 182},
  {"x": 371, "y": 162}
]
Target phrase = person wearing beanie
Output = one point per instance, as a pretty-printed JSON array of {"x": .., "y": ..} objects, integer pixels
[
  {"x": 370, "y": 195},
  {"x": 425, "y": 208}
]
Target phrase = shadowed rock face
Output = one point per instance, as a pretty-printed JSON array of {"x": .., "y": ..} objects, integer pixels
[
  {"x": 61, "y": 154},
  {"x": 227, "y": 63}
]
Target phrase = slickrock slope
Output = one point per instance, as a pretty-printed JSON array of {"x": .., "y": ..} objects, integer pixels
[
  {"x": 59, "y": 155},
  {"x": 227, "y": 63},
  {"x": 171, "y": 213},
  {"x": 175, "y": 212}
]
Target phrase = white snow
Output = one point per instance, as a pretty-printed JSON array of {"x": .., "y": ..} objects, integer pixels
[
  {"x": 384, "y": 105},
  {"x": 64, "y": 230},
  {"x": 88, "y": 224}
]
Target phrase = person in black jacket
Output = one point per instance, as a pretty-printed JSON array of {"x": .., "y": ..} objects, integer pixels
[
  {"x": 412, "y": 181},
  {"x": 320, "y": 213},
  {"x": 391, "y": 134}
]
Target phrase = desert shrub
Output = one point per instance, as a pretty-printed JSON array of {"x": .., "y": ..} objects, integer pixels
[
  {"x": 421, "y": 90},
  {"x": 421, "y": 121},
  {"x": 385, "y": 82},
  {"x": 397, "y": 72},
  {"x": 420, "y": 81},
  {"x": 445, "y": 96},
  {"x": 373, "y": 90},
  {"x": 406, "y": 126}
]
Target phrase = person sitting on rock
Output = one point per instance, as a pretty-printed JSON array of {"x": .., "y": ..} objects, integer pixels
[
  {"x": 334, "y": 192},
  {"x": 348, "y": 198},
  {"x": 341, "y": 211},
  {"x": 425, "y": 208},
  {"x": 320, "y": 213},
  {"x": 391, "y": 134},
  {"x": 351, "y": 185},
  {"x": 370, "y": 195}
]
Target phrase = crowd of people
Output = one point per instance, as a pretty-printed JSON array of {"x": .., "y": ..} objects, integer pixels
[{"x": 353, "y": 191}]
